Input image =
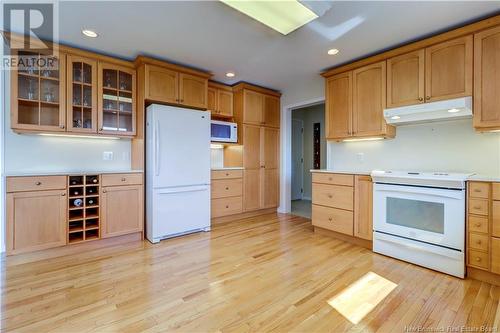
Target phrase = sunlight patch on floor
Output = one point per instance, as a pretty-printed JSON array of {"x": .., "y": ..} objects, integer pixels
[{"x": 361, "y": 297}]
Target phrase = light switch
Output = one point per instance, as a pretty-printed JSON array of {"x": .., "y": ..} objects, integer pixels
[{"x": 107, "y": 155}]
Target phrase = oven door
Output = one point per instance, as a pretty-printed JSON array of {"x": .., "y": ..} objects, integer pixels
[{"x": 431, "y": 215}]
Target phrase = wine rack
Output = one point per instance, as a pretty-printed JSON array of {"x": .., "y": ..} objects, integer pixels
[{"x": 83, "y": 208}]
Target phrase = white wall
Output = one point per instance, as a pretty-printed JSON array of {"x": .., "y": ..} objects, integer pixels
[
  {"x": 445, "y": 146},
  {"x": 309, "y": 116},
  {"x": 34, "y": 153}
]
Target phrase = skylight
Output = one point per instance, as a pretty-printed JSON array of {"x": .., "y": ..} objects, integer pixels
[{"x": 283, "y": 16}]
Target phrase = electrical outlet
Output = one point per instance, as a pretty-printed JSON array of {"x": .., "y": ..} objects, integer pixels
[
  {"x": 107, "y": 155},
  {"x": 360, "y": 157}
]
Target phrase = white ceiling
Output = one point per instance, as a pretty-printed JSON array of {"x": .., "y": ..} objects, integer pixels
[{"x": 212, "y": 36}]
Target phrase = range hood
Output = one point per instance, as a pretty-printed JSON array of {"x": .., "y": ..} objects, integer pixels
[{"x": 451, "y": 109}]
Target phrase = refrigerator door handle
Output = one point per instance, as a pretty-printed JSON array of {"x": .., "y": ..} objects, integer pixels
[
  {"x": 157, "y": 148},
  {"x": 183, "y": 189}
]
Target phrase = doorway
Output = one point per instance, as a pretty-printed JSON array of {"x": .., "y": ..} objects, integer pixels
[{"x": 308, "y": 152}]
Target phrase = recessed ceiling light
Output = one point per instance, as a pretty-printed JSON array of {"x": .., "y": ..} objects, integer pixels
[
  {"x": 333, "y": 51},
  {"x": 230, "y": 74},
  {"x": 282, "y": 16},
  {"x": 395, "y": 117},
  {"x": 89, "y": 33},
  {"x": 453, "y": 110}
]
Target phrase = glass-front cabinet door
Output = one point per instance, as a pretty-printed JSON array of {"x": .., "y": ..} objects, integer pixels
[
  {"x": 81, "y": 94},
  {"x": 116, "y": 99},
  {"x": 38, "y": 92}
]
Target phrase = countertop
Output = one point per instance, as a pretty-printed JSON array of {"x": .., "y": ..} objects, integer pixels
[
  {"x": 364, "y": 173},
  {"x": 484, "y": 178},
  {"x": 66, "y": 173},
  {"x": 228, "y": 168}
]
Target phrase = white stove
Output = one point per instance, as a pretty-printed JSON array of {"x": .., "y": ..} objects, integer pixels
[{"x": 420, "y": 217}]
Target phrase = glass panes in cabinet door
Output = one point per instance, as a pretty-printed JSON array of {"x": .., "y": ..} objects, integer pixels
[
  {"x": 82, "y": 96},
  {"x": 38, "y": 91},
  {"x": 110, "y": 109}
]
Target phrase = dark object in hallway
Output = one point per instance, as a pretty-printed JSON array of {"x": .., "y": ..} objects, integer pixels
[{"x": 317, "y": 145}]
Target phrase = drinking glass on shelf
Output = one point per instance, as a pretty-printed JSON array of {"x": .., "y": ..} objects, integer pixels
[{"x": 107, "y": 80}]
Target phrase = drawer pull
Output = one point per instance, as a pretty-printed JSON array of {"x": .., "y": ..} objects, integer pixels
[
  {"x": 477, "y": 225},
  {"x": 124, "y": 179},
  {"x": 38, "y": 183},
  {"x": 227, "y": 174},
  {"x": 478, "y": 259},
  {"x": 227, "y": 206},
  {"x": 477, "y": 190},
  {"x": 330, "y": 196},
  {"x": 478, "y": 242},
  {"x": 330, "y": 178},
  {"x": 477, "y": 207},
  {"x": 330, "y": 219},
  {"x": 227, "y": 188},
  {"x": 63, "y": 194}
]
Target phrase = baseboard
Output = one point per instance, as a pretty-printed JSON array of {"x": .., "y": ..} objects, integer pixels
[
  {"x": 350, "y": 239},
  {"x": 244, "y": 215},
  {"x": 485, "y": 276}
]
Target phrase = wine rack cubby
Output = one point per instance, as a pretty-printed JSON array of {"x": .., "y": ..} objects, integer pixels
[{"x": 83, "y": 208}]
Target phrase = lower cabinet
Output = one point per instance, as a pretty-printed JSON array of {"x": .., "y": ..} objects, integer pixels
[
  {"x": 36, "y": 220},
  {"x": 343, "y": 203},
  {"x": 226, "y": 192},
  {"x": 122, "y": 210}
]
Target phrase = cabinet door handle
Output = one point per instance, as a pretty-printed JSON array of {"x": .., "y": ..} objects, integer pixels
[
  {"x": 100, "y": 129},
  {"x": 38, "y": 183},
  {"x": 103, "y": 191},
  {"x": 61, "y": 126},
  {"x": 63, "y": 194},
  {"x": 427, "y": 97},
  {"x": 420, "y": 99}
]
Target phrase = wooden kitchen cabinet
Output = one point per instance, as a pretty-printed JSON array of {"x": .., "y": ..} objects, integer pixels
[
  {"x": 405, "y": 79},
  {"x": 173, "y": 84},
  {"x": 448, "y": 69},
  {"x": 161, "y": 84},
  {"x": 36, "y": 220},
  {"x": 363, "y": 207},
  {"x": 38, "y": 95},
  {"x": 271, "y": 111},
  {"x": 193, "y": 90},
  {"x": 495, "y": 255},
  {"x": 338, "y": 115},
  {"x": 487, "y": 79},
  {"x": 252, "y": 193},
  {"x": 369, "y": 100},
  {"x": 122, "y": 210},
  {"x": 254, "y": 107},
  {"x": 116, "y": 100},
  {"x": 81, "y": 94},
  {"x": 220, "y": 100}
]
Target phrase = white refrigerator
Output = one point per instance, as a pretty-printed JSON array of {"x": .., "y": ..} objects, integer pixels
[{"x": 177, "y": 172}]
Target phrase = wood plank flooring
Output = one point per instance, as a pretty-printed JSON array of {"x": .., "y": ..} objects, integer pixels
[{"x": 270, "y": 273}]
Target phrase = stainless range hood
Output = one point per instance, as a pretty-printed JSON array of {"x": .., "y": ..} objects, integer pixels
[{"x": 451, "y": 109}]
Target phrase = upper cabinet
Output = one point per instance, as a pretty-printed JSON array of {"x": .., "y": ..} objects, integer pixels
[
  {"x": 172, "y": 84},
  {"x": 81, "y": 94},
  {"x": 116, "y": 99},
  {"x": 220, "y": 100},
  {"x": 487, "y": 79},
  {"x": 405, "y": 79},
  {"x": 256, "y": 106},
  {"x": 38, "y": 95},
  {"x": 448, "y": 69},
  {"x": 368, "y": 100},
  {"x": 355, "y": 102}
]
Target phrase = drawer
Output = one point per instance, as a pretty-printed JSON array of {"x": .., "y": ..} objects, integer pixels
[
  {"x": 478, "y": 206},
  {"x": 227, "y": 206},
  {"x": 495, "y": 191},
  {"x": 478, "y": 259},
  {"x": 116, "y": 179},
  {"x": 22, "y": 184},
  {"x": 333, "y": 196},
  {"x": 223, "y": 188},
  {"x": 333, "y": 178},
  {"x": 333, "y": 219},
  {"x": 479, "y": 190},
  {"x": 227, "y": 174},
  {"x": 478, "y": 242},
  {"x": 478, "y": 224}
]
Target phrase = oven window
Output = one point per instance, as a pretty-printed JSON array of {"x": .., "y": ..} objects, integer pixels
[
  {"x": 422, "y": 215},
  {"x": 221, "y": 131}
]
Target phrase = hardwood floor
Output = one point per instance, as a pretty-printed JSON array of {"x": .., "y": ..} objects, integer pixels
[{"x": 264, "y": 274}]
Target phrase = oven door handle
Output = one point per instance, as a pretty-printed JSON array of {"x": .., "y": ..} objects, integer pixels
[
  {"x": 458, "y": 195},
  {"x": 412, "y": 246}
]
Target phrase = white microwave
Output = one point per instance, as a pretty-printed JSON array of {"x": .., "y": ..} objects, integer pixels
[{"x": 223, "y": 131}]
